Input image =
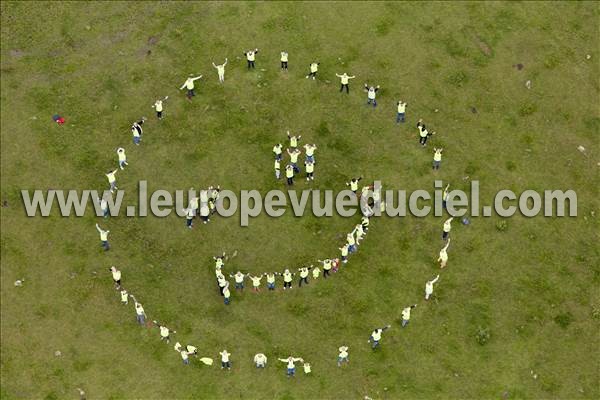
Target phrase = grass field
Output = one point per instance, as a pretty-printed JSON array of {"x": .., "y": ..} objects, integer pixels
[{"x": 533, "y": 287}]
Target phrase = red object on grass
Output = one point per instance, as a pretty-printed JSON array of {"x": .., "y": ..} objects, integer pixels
[{"x": 60, "y": 121}]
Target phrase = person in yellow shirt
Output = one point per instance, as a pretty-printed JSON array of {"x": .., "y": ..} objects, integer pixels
[
  {"x": 289, "y": 174},
  {"x": 351, "y": 242},
  {"x": 304, "y": 274},
  {"x": 221, "y": 70},
  {"x": 103, "y": 237},
  {"x": 446, "y": 229},
  {"x": 327, "y": 265},
  {"x": 445, "y": 196},
  {"x": 443, "y": 258},
  {"x": 437, "y": 157},
  {"x": 271, "y": 279},
  {"x": 423, "y": 133},
  {"x": 406, "y": 315},
  {"x": 354, "y": 184},
  {"x": 345, "y": 80},
  {"x": 165, "y": 333},
  {"x": 310, "y": 170},
  {"x": 220, "y": 260},
  {"x": 189, "y": 85},
  {"x": 294, "y": 154},
  {"x": 251, "y": 57},
  {"x": 278, "y": 149},
  {"x": 401, "y": 111},
  {"x": 314, "y": 68},
  {"x": 293, "y": 140},
  {"x": 284, "y": 60},
  {"x": 255, "y": 282},
  {"x": 158, "y": 106},
  {"x": 375, "y": 337},
  {"x": 344, "y": 250},
  {"x": 124, "y": 297},
  {"x": 316, "y": 272},
  {"x": 122, "y": 157},
  {"x": 112, "y": 180}
]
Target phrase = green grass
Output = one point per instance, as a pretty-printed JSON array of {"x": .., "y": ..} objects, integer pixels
[{"x": 513, "y": 300}]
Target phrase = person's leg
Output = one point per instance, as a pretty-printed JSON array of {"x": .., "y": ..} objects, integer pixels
[
  {"x": 341, "y": 87},
  {"x": 374, "y": 102},
  {"x": 249, "y": 64},
  {"x": 427, "y": 295},
  {"x": 300, "y": 282},
  {"x": 404, "y": 322},
  {"x": 444, "y": 235},
  {"x": 348, "y": 89}
]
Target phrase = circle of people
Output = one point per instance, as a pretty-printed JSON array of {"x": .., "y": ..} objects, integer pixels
[{"x": 204, "y": 206}]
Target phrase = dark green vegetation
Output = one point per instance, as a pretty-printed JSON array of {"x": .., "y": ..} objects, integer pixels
[{"x": 517, "y": 300}]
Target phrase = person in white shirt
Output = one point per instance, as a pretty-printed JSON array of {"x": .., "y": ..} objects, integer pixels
[
  {"x": 371, "y": 94},
  {"x": 122, "y": 157},
  {"x": 291, "y": 367},
  {"x": 103, "y": 237},
  {"x": 136, "y": 131},
  {"x": 284, "y": 61},
  {"x": 260, "y": 360},
  {"x": 251, "y": 57},
  {"x": 239, "y": 280},
  {"x": 158, "y": 106},
  {"x": 345, "y": 80},
  {"x": 140, "y": 314},
  {"x": 221, "y": 70},
  {"x": 294, "y": 154},
  {"x": 205, "y": 213},
  {"x": 343, "y": 356},
  {"x": 401, "y": 111},
  {"x": 406, "y": 315},
  {"x": 225, "y": 362},
  {"x": 429, "y": 287},
  {"x": 104, "y": 207},
  {"x": 189, "y": 85},
  {"x": 190, "y": 213},
  {"x": 443, "y": 258},
  {"x": 124, "y": 297},
  {"x": 314, "y": 68},
  {"x": 446, "y": 229},
  {"x": 309, "y": 152}
]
